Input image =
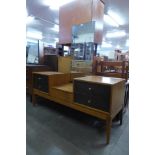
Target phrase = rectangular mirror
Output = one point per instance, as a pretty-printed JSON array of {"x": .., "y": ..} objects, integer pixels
[{"x": 83, "y": 33}]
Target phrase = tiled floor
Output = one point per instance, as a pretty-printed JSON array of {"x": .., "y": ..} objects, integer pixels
[{"x": 56, "y": 130}]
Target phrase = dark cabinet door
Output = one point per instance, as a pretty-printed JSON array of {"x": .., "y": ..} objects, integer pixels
[
  {"x": 92, "y": 94},
  {"x": 40, "y": 82}
]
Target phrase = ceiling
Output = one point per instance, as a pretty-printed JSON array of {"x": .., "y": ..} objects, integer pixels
[{"x": 46, "y": 18}]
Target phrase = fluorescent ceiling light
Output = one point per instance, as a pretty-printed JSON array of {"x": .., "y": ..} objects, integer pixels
[
  {"x": 27, "y": 13},
  {"x": 56, "y": 39},
  {"x": 32, "y": 40},
  {"x": 29, "y": 19},
  {"x": 34, "y": 35},
  {"x": 106, "y": 45},
  {"x": 116, "y": 34},
  {"x": 116, "y": 17},
  {"x": 110, "y": 21},
  {"x": 55, "y": 5},
  {"x": 118, "y": 46},
  {"x": 55, "y": 28},
  {"x": 127, "y": 43},
  {"x": 49, "y": 44}
]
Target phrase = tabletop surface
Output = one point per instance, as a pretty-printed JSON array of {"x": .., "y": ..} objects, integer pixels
[
  {"x": 48, "y": 73},
  {"x": 100, "y": 79},
  {"x": 66, "y": 87}
]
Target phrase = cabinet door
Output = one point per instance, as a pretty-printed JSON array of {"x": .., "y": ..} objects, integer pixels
[{"x": 40, "y": 82}]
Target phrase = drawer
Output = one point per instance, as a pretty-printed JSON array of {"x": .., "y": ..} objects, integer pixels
[
  {"x": 40, "y": 82},
  {"x": 101, "y": 102},
  {"x": 82, "y": 98},
  {"x": 83, "y": 87},
  {"x": 89, "y": 88},
  {"x": 97, "y": 102}
]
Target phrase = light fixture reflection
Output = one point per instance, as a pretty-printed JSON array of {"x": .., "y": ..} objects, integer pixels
[
  {"x": 115, "y": 16},
  {"x": 110, "y": 21},
  {"x": 127, "y": 43},
  {"x": 118, "y": 47},
  {"x": 29, "y": 19},
  {"x": 55, "y": 28},
  {"x": 55, "y": 5},
  {"x": 116, "y": 34},
  {"x": 34, "y": 35},
  {"x": 106, "y": 45}
]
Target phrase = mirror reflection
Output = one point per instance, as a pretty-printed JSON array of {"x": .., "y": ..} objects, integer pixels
[{"x": 83, "y": 32}]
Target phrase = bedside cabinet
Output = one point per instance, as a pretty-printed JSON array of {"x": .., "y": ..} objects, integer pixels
[
  {"x": 44, "y": 81},
  {"x": 30, "y": 68},
  {"x": 102, "y": 93},
  {"x": 40, "y": 82}
]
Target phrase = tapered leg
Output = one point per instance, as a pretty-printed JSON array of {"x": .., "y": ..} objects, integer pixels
[
  {"x": 34, "y": 99},
  {"x": 121, "y": 116},
  {"x": 30, "y": 98},
  {"x": 108, "y": 130}
]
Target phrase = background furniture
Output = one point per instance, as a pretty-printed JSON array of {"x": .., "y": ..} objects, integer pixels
[
  {"x": 51, "y": 61},
  {"x": 111, "y": 68},
  {"x": 64, "y": 64}
]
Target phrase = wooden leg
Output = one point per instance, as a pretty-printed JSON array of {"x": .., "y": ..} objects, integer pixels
[
  {"x": 30, "y": 98},
  {"x": 121, "y": 116},
  {"x": 108, "y": 130},
  {"x": 34, "y": 99}
]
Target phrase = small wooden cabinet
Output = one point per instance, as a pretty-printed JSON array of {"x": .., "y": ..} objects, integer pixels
[
  {"x": 30, "y": 68},
  {"x": 40, "y": 82},
  {"x": 44, "y": 81},
  {"x": 102, "y": 93}
]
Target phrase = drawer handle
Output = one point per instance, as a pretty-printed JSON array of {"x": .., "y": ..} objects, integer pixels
[
  {"x": 39, "y": 78},
  {"x": 89, "y": 88},
  {"x": 89, "y": 101}
]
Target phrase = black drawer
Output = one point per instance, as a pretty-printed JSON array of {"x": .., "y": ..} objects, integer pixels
[
  {"x": 82, "y": 87},
  {"x": 101, "y": 102},
  {"x": 40, "y": 82},
  {"x": 97, "y": 102},
  {"x": 89, "y": 88},
  {"x": 82, "y": 98},
  {"x": 93, "y": 95}
]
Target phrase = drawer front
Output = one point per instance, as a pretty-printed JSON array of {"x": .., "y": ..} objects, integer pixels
[
  {"x": 101, "y": 102},
  {"x": 94, "y": 95},
  {"x": 40, "y": 82},
  {"x": 89, "y": 88},
  {"x": 82, "y": 98},
  {"x": 82, "y": 87}
]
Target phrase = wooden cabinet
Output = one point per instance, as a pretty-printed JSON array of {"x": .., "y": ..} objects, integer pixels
[
  {"x": 51, "y": 61},
  {"x": 64, "y": 64},
  {"x": 103, "y": 93},
  {"x": 98, "y": 96},
  {"x": 30, "y": 68},
  {"x": 40, "y": 82},
  {"x": 44, "y": 81}
]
